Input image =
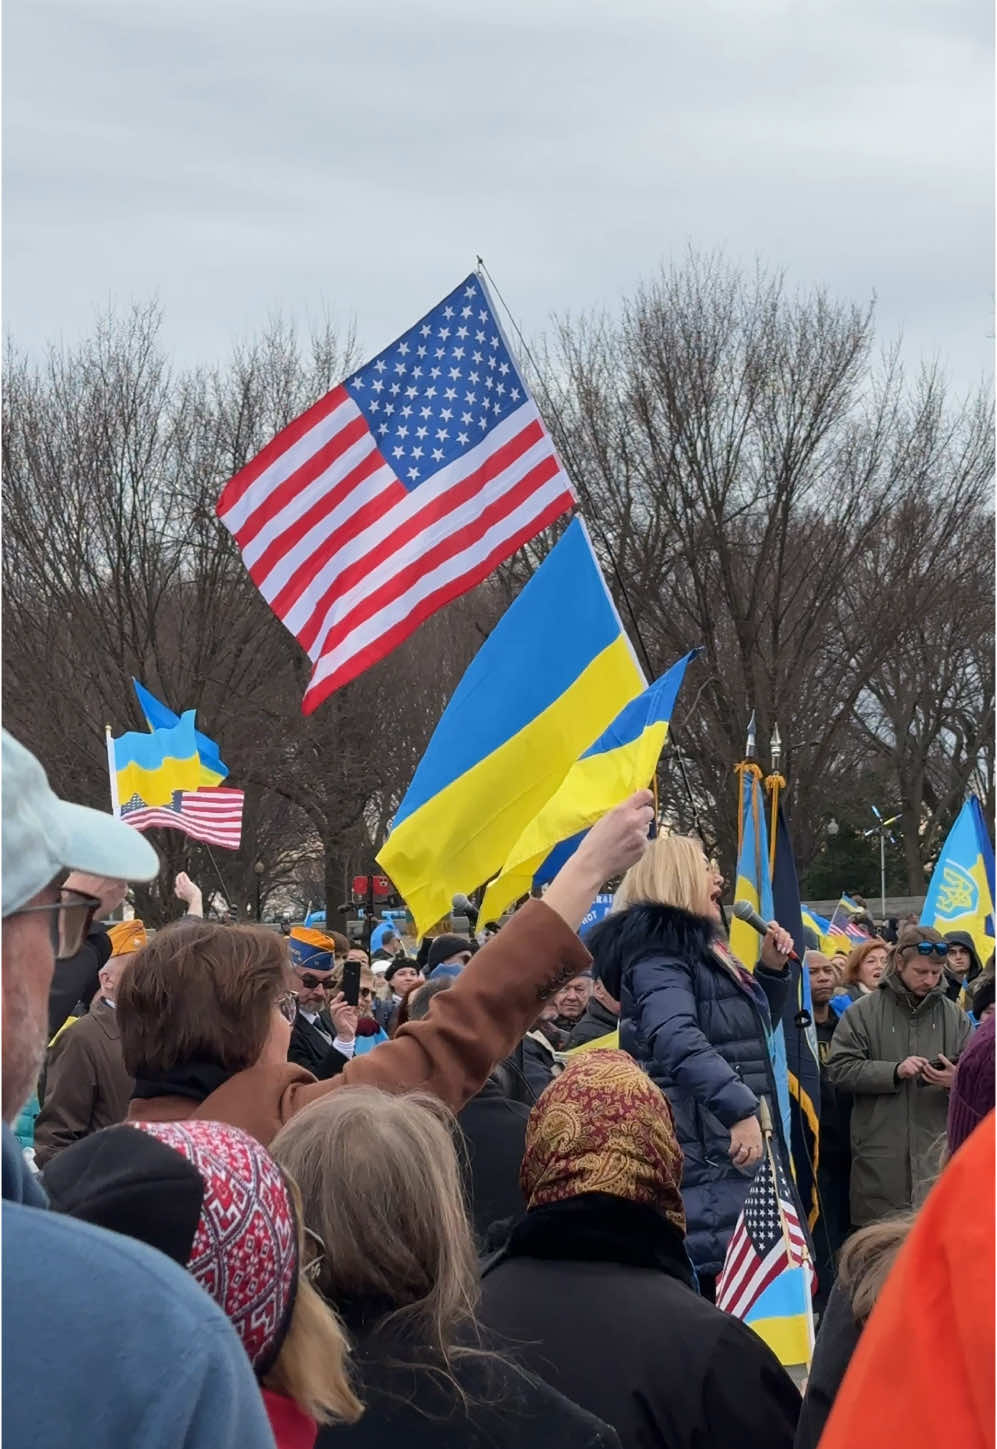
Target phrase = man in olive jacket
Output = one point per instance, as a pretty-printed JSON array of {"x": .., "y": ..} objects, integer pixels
[{"x": 895, "y": 1052}]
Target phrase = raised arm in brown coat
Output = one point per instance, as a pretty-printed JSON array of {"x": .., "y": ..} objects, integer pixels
[{"x": 469, "y": 1028}]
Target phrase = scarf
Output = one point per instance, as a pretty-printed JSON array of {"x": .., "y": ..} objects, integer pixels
[
  {"x": 196, "y": 1080},
  {"x": 603, "y": 1126}
]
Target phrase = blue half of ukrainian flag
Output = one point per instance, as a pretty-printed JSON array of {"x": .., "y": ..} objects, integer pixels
[
  {"x": 621, "y": 760},
  {"x": 553, "y": 673},
  {"x": 961, "y": 892},
  {"x": 155, "y": 765},
  {"x": 159, "y": 716},
  {"x": 783, "y": 1318}
]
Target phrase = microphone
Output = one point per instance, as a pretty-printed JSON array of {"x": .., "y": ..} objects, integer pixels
[{"x": 746, "y": 912}]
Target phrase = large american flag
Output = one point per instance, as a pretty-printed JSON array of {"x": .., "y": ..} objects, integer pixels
[
  {"x": 398, "y": 491},
  {"x": 211, "y": 815},
  {"x": 757, "y": 1252}
]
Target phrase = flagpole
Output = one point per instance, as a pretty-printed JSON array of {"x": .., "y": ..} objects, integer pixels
[
  {"x": 112, "y": 773},
  {"x": 766, "y": 1123}
]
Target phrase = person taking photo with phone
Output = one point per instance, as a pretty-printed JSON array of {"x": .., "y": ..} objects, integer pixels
[{"x": 895, "y": 1051}]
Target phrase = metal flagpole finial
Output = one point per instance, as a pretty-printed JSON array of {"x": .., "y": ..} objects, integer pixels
[
  {"x": 749, "y": 745},
  {"x": 775, "y": 745}
]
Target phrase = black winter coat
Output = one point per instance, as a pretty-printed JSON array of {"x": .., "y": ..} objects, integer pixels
[
  {"x": 494, "y": 1130},
  {"x": 417, "y": 1408},
  {"x": 836, "y": 1342},
  {"x": 308, "y": 1048},
  {"x": 703, "y": 1035},
  {"x": 598, "y": 1021},
  {"x": 595, "y": 1294}
]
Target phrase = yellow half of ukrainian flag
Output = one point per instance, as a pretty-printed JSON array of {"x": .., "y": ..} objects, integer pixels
[
  {"x": 553, "y": 673},
  {"x": 961, "y": 892},
  {"x": 783, "y": 1318},
  {"x": 153, "y": 766},
  {"x": 622, "y": 760}
]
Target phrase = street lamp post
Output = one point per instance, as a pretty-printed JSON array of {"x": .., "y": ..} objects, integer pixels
[
  {"x": 259, "y": 868},
  {"x": 882, "y": 829}
]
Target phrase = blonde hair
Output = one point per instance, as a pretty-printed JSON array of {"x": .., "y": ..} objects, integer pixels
[
  {"x": 365, "y": 1161},
  {"x": 866, "y": 1260},
  {"x": 670, "y": 873},
  {"x": 312, "y": 1367}
]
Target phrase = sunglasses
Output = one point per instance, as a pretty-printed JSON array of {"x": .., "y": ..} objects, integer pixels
[
  {"x": 70, "y": 918},
  {"x": 311, "y": 982},
  {"x": 930, "y": 948}
]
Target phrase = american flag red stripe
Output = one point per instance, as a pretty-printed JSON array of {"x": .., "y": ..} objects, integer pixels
[
  {"x": 758, "y": 1252},
  {"x": 397, "y": 492},
  {"x": 213, "y": 816}
]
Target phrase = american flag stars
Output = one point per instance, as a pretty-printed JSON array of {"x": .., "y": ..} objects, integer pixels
[{"x": 453, "y": 371}]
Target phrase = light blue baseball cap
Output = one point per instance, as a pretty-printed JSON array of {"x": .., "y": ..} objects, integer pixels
[{"x": 43, "y": 835}]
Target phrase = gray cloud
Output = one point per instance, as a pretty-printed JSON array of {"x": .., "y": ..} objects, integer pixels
[{"x": 236, "y": 159}]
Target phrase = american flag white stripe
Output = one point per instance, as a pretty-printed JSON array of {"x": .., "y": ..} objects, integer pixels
[
  {"x": 758, "y": 1250},
  {"x": 213, "y": 816},
  {"x": 397, "y": 492}
]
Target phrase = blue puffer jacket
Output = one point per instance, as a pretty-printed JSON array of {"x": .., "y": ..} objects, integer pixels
[{"x": 703, "y": 1036}]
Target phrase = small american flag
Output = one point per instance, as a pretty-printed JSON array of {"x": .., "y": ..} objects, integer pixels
[
  {"x": 397, "y": 492},
  {"x": 757, "y": 1252},
  {"x": 211, "y": 815}
]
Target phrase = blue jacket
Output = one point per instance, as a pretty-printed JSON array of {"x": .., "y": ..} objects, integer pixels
[
  {"x": 107, "y": 1343},
  {"x": 704, "y": 1038}
]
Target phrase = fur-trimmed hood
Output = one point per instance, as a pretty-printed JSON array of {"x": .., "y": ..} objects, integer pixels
[{"x": 642, "y": 930}]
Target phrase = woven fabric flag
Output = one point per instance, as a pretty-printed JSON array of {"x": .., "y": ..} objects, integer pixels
[
  {"x": 212, "y": 816},
  {"x": 398, "y": 491}
]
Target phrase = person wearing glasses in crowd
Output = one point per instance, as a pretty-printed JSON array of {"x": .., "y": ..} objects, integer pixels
[
  {"x": 323, "y": 1035},
  {"x": 895, "y": 1052},
  {"x": 181, "y": 1378}
]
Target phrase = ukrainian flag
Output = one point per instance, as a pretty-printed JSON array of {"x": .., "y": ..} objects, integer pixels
[
  {"x": 753, "y": 881},
  {"x": 553, "y": 673},
  {"x": 783, "y": 1318},
  {"x": 159, "y": 716},
  {"x": 155, "y": 765},
  {"x": 622, "y": 760},
  {"x": 961, "y": 893}
]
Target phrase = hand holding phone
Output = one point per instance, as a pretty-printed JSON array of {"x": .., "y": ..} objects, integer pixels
[{"x": 351, "y": 983}]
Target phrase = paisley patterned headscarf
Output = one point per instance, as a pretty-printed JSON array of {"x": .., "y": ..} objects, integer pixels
[{"x": 603, "y": 1126}]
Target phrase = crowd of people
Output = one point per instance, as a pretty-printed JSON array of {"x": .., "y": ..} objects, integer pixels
[{"x": 479, "y": 1191}]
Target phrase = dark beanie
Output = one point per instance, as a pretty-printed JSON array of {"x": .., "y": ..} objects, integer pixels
[
  {"x": 397, "y": 965},
  {"x": 130, "y": 1183},
  {"x": 971, "y": 1096},
  {"x": 444, "y": 947}
]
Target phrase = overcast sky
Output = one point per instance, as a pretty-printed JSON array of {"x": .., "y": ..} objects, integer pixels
[{"x": 237, "y": 158}]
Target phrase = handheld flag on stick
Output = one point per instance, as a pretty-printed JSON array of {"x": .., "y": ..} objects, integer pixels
[
  {"x": 160, "y": 716},
  {"x": 622, "y": 760},
  {"x": 398, "y": 491},
  {"x": 552, "y": 674},
  {"x": 152, "y": 767},
  {"x": 961, "y": 892},
  {"x": 767, "y": 1277}
]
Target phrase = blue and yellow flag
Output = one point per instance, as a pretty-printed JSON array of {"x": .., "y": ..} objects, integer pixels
[
  {"x": 753, "y": 883},
  {"x": 783, "y": 1317},
  {"x": 155, "y": 765},
  {"x": 961, "y": 893},
  {"x": 622, "y": 760},
  {"x": 555, "y": 670},
  {"x": 159, "y": 716}
]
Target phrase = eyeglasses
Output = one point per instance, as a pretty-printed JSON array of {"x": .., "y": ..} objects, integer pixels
[
  {"x": 311, "y": 982},
  {"x": 70, "y": 918},
  {"x": 930, "y": 948},
  {"x": 287, "y": 1005}
]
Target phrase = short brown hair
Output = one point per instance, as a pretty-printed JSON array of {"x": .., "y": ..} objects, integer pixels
[
  {"x": 858, "y": 955},
  {"x": 201, "y": 993}
]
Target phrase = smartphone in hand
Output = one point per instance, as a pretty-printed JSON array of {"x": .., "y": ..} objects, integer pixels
[{"x": 351, "y": 982}]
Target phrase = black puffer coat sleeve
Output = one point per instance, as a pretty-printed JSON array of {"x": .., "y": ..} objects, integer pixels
[
  {"x": 776, "y": 986},
  {"x": 665, "y": 1004}
]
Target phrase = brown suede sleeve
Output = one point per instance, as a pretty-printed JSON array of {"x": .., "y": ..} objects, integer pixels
[{"x": 471, "y": 1027}]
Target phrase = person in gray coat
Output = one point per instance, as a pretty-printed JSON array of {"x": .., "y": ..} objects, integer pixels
[{"x": 895, "y": 1051}]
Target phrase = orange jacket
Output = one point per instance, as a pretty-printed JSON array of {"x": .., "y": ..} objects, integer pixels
[{"x": 923, "y": 1372}]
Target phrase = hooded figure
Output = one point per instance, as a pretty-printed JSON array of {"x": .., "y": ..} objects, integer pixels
[
  {"x": 603, "y": 1244},
  {"x": 212, "y": 1199},
  {"x": 958, "y": 978}
]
